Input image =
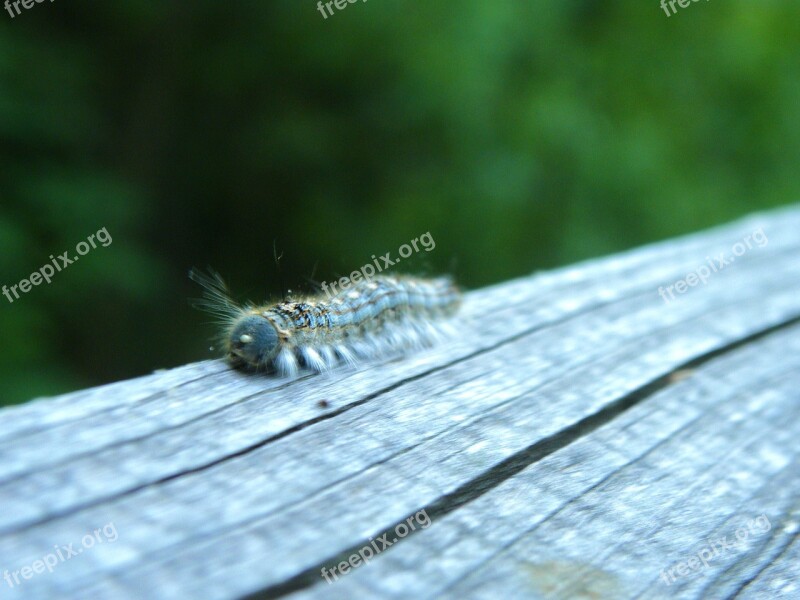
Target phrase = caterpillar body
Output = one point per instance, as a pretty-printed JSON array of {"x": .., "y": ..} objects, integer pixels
[{"x": 370, "y": 318}]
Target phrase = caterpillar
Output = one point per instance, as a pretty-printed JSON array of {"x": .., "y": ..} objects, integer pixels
[{"x": 370, "y": 318}]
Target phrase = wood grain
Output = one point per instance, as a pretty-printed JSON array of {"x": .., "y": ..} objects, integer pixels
[{"x": 578, "y": 438}]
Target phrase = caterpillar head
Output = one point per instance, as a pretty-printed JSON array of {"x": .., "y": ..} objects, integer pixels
[{"x": 253, "y": 341}]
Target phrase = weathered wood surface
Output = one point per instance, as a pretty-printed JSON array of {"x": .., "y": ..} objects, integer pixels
[{"x": 578, "y": 437}]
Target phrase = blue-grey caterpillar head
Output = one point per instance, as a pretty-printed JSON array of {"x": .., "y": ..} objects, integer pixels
[
  {"x": 253, "y": 341},
  {"x": 249, "y": 339}
]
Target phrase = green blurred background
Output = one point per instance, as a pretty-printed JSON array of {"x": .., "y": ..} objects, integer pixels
[{"x": 522, "y": 135}]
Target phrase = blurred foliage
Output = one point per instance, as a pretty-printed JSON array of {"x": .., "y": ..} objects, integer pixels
[{"x": 523, "y": 136}]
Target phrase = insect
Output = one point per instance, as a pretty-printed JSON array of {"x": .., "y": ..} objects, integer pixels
[{"x": 369, "y": 318}]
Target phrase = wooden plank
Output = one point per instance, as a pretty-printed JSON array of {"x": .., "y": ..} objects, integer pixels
[{"x": 578, "y": 436}]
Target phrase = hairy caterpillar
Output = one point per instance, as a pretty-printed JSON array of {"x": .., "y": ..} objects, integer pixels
[{"x": 367, "y": 319}]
